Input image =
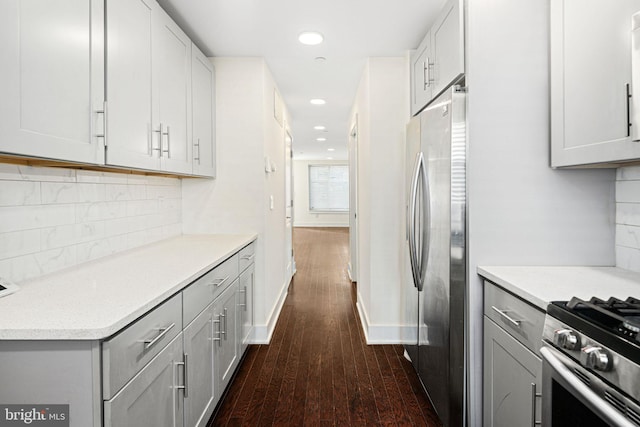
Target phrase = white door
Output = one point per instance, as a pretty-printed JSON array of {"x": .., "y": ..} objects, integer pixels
[
  {"x": 225, "y": 336},
  {"x": 131, "y": 141},
  {"x": 203, "y": 103},
  {"x": 353, "y": 203},
  {"x": 288, "y": 174},
  {"x": 52, "y": 79},
  {"x": 447, "y": 44},
  {"x": 172, "y": 90}
]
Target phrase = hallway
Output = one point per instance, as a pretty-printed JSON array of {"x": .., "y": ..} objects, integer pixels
[{"x": 318, "y": 369}]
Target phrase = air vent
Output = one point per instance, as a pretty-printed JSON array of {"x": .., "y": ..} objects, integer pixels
[
  {"x": 615, "y": 401},
  {"x": 633, "y": 416},
  {"x": 583, "y": 377}
]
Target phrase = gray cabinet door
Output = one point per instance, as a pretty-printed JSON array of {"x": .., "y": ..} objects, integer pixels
[
  {"x": 172, "y": 94},
  {"x": 153, "y": 397},
  {"x": 130, "y": 125},
  {"x": 203, "y": 115},
  {"x": 198, "y": 352},
  {"x": 510, "y": 369},
  {"x": 591, "y": 70},
  {"x": 245, "y": 307},
  {"x": 226, "y": 351},
  {"x": 52, "y": 79}
]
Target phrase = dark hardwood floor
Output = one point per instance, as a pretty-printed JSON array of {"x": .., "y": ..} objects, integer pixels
[{"x": 318, "y": 369}]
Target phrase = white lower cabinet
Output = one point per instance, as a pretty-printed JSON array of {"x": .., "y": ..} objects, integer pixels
[
  {"x": 245, "y": 307},
  {"x": 512, "y": 369},
  {"x": 153, "y": 397},
  {"x": 199, "y": 397},
  {"x": 225, "y": 335}
]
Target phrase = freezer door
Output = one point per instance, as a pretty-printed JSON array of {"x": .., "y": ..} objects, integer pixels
[
  {"x": 409, "y": 288},
  {"x": 440, "y": 326}
]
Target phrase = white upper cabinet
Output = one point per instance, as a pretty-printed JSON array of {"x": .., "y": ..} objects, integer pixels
[
  {"x": 203, "y": 103},
  {"x": 148, "y": 88},
  {"x": 131, "y": 141},
  {"x": 52, "y": 79},
  {"x": 439, "y": 60},
  {"x": 172, "y": 71},
  {"x": 591, "y": 82}
]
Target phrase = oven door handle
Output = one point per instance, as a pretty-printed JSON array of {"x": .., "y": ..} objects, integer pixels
[{"x": 584, "y": 393}]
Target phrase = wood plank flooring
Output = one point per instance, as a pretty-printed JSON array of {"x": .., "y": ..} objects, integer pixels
[{"x": 318, "y": 369}]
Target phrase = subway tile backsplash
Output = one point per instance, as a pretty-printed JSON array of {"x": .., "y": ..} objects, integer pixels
[
  {"x": 628, "y": 218},
  {"x": 54, "y": 218}
]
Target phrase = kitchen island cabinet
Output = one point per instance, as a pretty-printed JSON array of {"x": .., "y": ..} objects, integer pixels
[{"x": 108, "y": 339}]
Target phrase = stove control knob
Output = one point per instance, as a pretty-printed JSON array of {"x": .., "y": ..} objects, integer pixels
[
  {"x": 567, "y": 339},
  {"x": 595, "y": 358}
]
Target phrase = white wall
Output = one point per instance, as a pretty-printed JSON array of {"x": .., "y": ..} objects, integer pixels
[
  {"x": 303, "y": 217},
  {"x": 382, "y": 109},
  {"x": 237, "y": 201},
  {"x": 54, "y": 218},
  {"x": 520, "y": 211}
]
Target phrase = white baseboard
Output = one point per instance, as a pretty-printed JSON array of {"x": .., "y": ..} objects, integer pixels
[
  {"x": 350, "y": 273},
  {"x": 323, "y": 225},
  {"x": 378, "y": 334},
  {"x": 262, "y": 333}
]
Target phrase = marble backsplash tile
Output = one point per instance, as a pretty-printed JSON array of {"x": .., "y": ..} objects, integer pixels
[
  {"x": 54, "y": 218},
  {"x": 628, "y": 218}
]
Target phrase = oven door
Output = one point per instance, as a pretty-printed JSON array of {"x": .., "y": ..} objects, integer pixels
[{"x": 567, "y": 400}]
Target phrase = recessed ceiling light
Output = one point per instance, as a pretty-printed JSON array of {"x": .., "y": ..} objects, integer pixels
[
  {"x": 318, "y": 101},
  {"x": 310, "y": 38},
  {"x": 320, "y": 58},
  {"x": 329, "y": 158},
  {"x": 319, "y": 127},
  {"x": 321, "y": 139},
  {"x": 331, "y": 149}
]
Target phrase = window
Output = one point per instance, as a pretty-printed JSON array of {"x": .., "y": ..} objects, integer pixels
[{"x": 329, "y": 188}]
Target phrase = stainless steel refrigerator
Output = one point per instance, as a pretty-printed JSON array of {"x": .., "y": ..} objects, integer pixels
[{"x": 436, "y": 287}]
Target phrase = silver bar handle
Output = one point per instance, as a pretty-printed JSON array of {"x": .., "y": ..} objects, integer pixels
[
  {"x": 103, "y": 135},
  {"x": 534, "y": 396},
  {"x": 159, "y": 149},
  {"x": 185, "y": 386},
  {"x": 168, "y": 134},
  {"x": 629, "y": 95},
  {"x": 219, "y": 282},
  {"x": 426, "y": 225},
  {"x": 252, "y": 256},
  {"x": 504, "y": 315},
  {"x": 425, "y": 74},
  {"x": 197, "y": 144},
  {"x": 412, "y": 222},
  {"x": 244, "y": 291},
  {"x": 219, "y": 331},
  {"x": 225, "y": 324},
  {"x": 163, "y": 331}
]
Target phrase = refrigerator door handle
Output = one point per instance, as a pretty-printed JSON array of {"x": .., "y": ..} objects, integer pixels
[
  {"x": 426, "y": 222},
  {"x": 412, "y": 221}
]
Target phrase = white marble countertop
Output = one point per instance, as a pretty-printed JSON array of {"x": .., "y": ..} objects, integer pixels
[
  {"x": 540, "y": 285},
  {"x": 97, "y": 299}
]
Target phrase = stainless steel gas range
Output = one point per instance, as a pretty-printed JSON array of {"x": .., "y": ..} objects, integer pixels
[{"x": 591, "y": 363}]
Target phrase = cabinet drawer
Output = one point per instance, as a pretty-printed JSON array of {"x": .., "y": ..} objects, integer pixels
[
  {"x": 204, "y": 290},
  {"x": 519, "y": 318},
  {"x": 129, "y": 351},
  {"x": 247, "y": 256},
  {"x": 152, "y": 398}
]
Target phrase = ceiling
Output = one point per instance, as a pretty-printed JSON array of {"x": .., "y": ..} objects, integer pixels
[{"x": 353, "y": 30}]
